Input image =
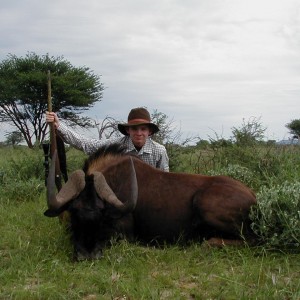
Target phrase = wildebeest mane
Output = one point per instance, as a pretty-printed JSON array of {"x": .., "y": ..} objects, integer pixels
[{"x": 114, "y": 149}]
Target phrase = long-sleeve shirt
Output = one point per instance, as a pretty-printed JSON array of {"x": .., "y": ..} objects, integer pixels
[{"x": 152, "y": 152}]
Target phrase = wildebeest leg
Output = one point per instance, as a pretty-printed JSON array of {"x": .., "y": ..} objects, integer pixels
[
  {"x": 225, "y": 209},
  {"x": 125, "y": 227}
]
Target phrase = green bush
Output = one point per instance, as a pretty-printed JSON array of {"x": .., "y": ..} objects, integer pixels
[
  {"x": 276, "y": 218},
  {"x": 263, "y": 161},
  {"x": 238, "y": 172},
  {"x": 268, "y": 163}
]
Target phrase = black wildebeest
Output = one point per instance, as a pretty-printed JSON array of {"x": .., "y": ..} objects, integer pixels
[{"x": 116, "y": 193}]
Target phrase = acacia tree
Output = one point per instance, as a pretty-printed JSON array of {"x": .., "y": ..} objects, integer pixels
[
  {"x": 23, "y": 93},
  {"x": 14, "y": 138},
  {"x": 294, "y": 127}
]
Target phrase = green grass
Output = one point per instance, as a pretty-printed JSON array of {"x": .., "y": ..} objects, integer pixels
[
  {"x": 36, "y": 263},
  {"x": 36, "y": 254}
]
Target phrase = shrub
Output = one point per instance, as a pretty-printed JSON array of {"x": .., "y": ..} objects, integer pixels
[
  {"x": 238, "y": 172},
  {"x": 276, "y": 218}
]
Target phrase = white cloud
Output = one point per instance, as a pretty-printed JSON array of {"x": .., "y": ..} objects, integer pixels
[{"x": 207, "y": 64}]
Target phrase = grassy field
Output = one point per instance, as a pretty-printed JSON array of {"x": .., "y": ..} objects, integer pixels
[{"x": 36, "y": 256}]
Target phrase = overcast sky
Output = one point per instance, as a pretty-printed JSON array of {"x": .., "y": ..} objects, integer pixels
[{"x": 206, "y": 64}]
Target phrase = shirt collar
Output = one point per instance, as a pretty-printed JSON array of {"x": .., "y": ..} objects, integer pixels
[{"x": 145, "y": 149}]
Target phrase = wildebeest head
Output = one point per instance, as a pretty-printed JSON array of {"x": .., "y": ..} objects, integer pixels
[{"x": 92, "y": 205}]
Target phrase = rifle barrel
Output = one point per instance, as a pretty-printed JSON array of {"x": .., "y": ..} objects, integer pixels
[{"x": 53, "y": 144}]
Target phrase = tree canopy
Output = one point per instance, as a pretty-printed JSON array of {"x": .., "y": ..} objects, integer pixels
[
  {"x": 23, "y": 93},
  {"x": 294, "y": 127},
  {"x": 14, "y": 138}
]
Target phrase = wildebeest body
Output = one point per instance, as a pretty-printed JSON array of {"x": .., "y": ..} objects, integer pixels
[
  {"x": 167, "y": 206},
  {"x": 170, "y": 204}
]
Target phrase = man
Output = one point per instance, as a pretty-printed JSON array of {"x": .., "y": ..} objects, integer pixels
[{"x": 137, "y": 138}]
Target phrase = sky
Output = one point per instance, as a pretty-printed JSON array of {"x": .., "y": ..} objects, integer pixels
[{"x": 209, "y": 65}]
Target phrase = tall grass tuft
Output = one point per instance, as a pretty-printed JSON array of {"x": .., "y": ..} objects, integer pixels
[
  {"x": 268, "y": 164},
  {"x": 22, "y": 164},
  {"x": 21, "y": 174}
]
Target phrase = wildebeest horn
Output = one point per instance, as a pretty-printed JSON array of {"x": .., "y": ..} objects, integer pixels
[
  {"x": 70, "y": 190},
  {"x": 107, "y": 194}
]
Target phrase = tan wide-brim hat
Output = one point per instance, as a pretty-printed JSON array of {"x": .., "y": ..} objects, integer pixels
[{"x": 138, "y": 116}]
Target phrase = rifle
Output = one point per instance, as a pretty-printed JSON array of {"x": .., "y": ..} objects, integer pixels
[
  {"x": 46, "y": 147},
  {"x": 53, "y": 142}
]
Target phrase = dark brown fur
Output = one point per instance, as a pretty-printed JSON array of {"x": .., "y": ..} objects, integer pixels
[{"x": 169, "y": 205}]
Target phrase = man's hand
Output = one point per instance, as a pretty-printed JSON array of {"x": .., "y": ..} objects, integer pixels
[{"x": 52, "y": 117}]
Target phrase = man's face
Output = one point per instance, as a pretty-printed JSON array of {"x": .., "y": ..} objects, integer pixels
[{"x": 139, "y": 134}]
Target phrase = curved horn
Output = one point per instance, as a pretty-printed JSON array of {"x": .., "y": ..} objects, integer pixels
[
  {"x": 70, "y": 190},
  {"x": 106, "y": 193}
]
